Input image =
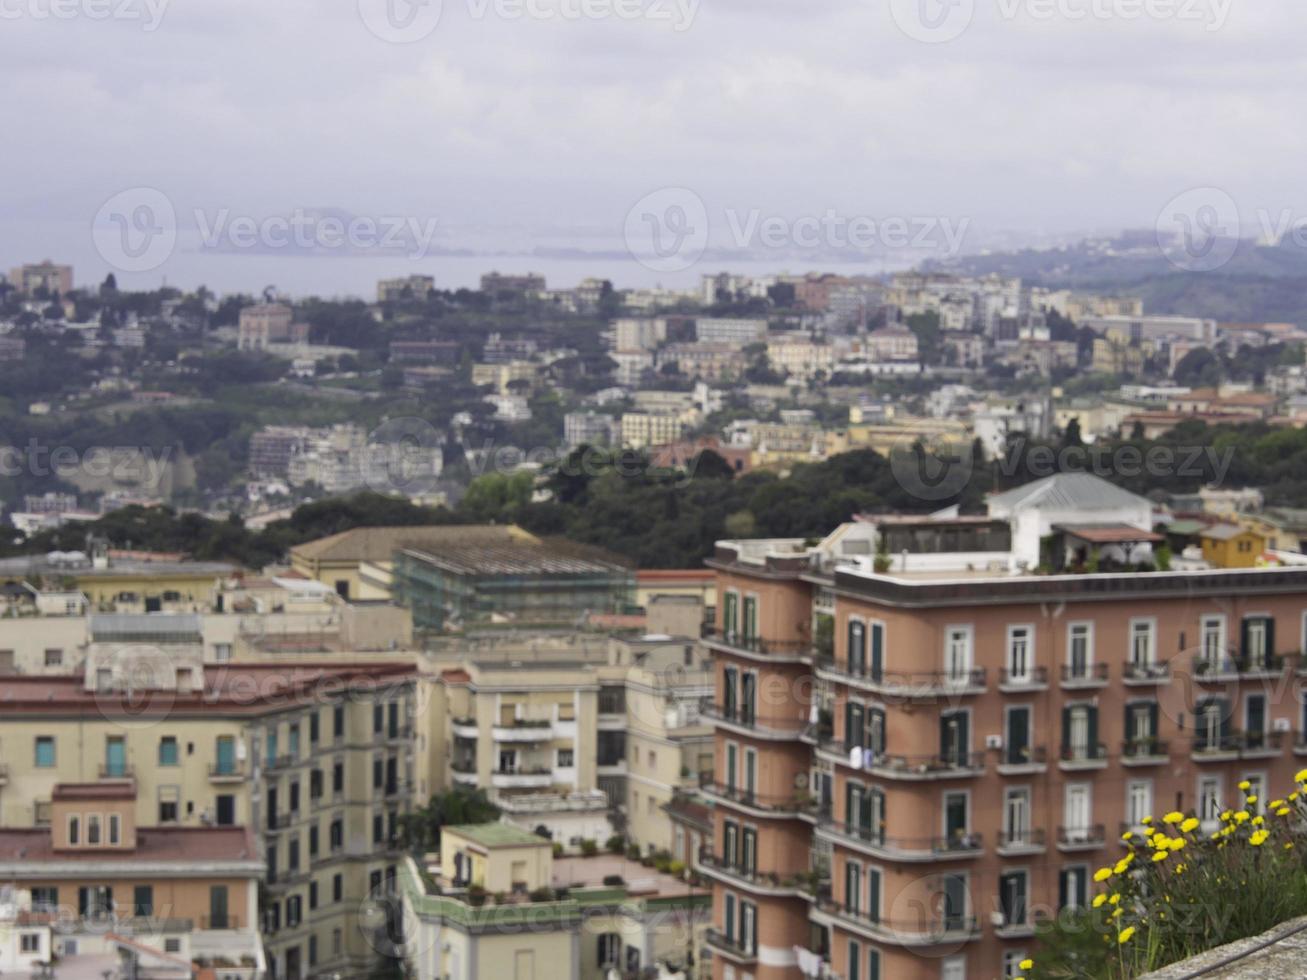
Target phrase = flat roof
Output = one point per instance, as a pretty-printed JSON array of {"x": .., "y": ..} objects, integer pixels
[
  {"x": 1107, "y": 533},
  {"x": 497, "y": 835},
  {"x": 182, "y": 845},
  {"x": 519, "y": 558}
]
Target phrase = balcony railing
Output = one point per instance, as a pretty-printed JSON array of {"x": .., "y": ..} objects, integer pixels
[
  {"x": 732, "y": 945},
  {"x": 784, "y": 804},
  {"x": 1088, "y": 756},
  {"x": 1081, "y": 837},
  {"x": 919, "y": 684},
  {"x": 947, "y": 765},
  {"x": 1235, "y": 664},
  {"x": 117, "y": 772},
  {"x": 1034, "y": 678},
  {"x": 769, "y": 880},
  {"x": 1022, "y": 840},
  {"x": 234, "y": 770},
  {"x": 757, "y": 644},
  {"x": 926, "y": 930},
  {"x": 1252, "y": 744},
  {"x": 1088, "y": 675},
  {"x": 1144, "y": 749},
  {"x": 747, "y": 718},
  {"x": 1138, "y": 672},
  {"x": 1022, "y": 757},
  {"x": 908, "y": 848},
  {"x": 220, "y": 922}
]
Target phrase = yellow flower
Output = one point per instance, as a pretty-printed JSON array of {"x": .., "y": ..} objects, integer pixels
[
  {"x": 1276, "y": 804},
  {"x": 1293, "y": 795},
  {"x": 1148, "y": 820},
  {"x": 1126, "y": 933},
  {"x": 1245, "y": 785},
  {"x": 1128, "y": 835},
  {"x": 1121, "y": 866},
  {"x": 1241, "y": 816},
  {"x": 1025, "y": 964},
  {"x": 1115, "y": 898},
  {"x": 1115, "y": 912},
  {"x": 1258, "y": 821},
  {"x": 1252, "y": 800},
  {"x": 1225, "y": 814},
  {"x": 1258, "y": 837},
  {"x": 1289, "y": 846},
  {"x": 1098, "y": 901},
  {"x": 1179, "y": 869},
  {"x": 1161, "y": 855},
  {"x": 1175, "y": 816},
  {"x": 1178, "y": 844},
  {"x": 1102, "y": 874},
  {"x": 1284, "y": 811},
  {"x": 1301, "y": 777},
  {"x": 1190, "y": 825}
]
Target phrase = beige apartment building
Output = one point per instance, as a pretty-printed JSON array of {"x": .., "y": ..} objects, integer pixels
[
  {"x": 579, "y": 735},
  {"x": 314, "y": 757},
  {"x": 913, "y": 768}
]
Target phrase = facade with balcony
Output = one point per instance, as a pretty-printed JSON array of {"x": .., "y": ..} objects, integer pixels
[{"x": 956, "y": 751}]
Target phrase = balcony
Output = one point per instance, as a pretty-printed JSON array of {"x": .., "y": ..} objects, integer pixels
[
  {"x": 731, "y": 947},
  {"x": 1141, "y": 674},
  {"x": 914, "y": 850},
  {"x": 464, "y": 728},
  {"x": 788, "y": 805},
  {"x": 117, "y": 772},
  {"x": 1081, "y": 838},
  {"x": 1237, "y": 667},
  {"x": 464, "y": 770},
  {"x": 1080, "y": 678},
  {"x": 1216, "y": 748},
  {"x": 522, "y": 778},
  {"x": 756, "y": 648},
  {"x": 751, "y": 879},
  {"x": 227, "y": 773},
  {"x": 1144, "y": 752},
  {"x": 1021, "y": 843},
  {"x": 1021, "y": 762},
  {"x": 1261, "y": 745},
  {"x": 279, "y": 762},
  {"x": 746, "y": 722},
  {"x": 909, "y": 686},
  {"x": 279, "y": 821},
  {"x": 524, "y": 731},
  {"x": 1238, "y": 745},
  {"x": 1029, "y": 680},
  {"x": 916, "y": 768},
  {"x": 1077, "y": 758},
  {"x": 220, "y": 922},
  {"x": 929, "y": 929}
]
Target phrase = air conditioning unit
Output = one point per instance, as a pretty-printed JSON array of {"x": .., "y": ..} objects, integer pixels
[
  {"x": 1282, "y": 725},
  {"x": 997, "y": 920},
  {"x": 993, "y": 741}
]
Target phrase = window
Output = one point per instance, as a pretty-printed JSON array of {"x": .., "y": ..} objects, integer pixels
[
  {"x": 1141, "y": 728},
  {"x": 1016, "y": 815},
  {"x": 565, "y": 759},
  {"x": 335, "y": 942},
  {"x": 1256, "y": 788},
  {"x": 1209, "y": 800},
  {"x": 45, "y": 752},
  {"x": 1077, "y": 810},
  {"x": 143, "y": 901},
  {"x": 172, "y": 945},
  {"x": 1212, "y": 640},
  {"x": 169, "y": 796},
  {"x": 45, "y": 899},
  {"x": 1138, "y": 801},
  {"x": 93, "y": 829},
  {"x": 855, "y": 960},
  {"x": 168, "y": 751},
  {"x": 1143, "y": 649},
  {"x": 378, "y": 719},
  {"x": 610, "y": 949},
  {"x": 1079, "y": 649},
  {"x": 1080, "y": 733},
  {"x": 29, "y": 942},
  {"x": 74, "y": 830},
  {"x": 338, "y": 721},
  {"x": 1258, "y": 642},
  {"x": 313, "y": 840},
  {"x": 857, "y": 657},
  {"x": 314, "y": 726},
  {"x": 115, "y": 828},
  {"x": 1020, "y": 653},
  {"x": 957, "y": 653},
  {"x": 1012, "y": 890},
  {"x": 293, "y": 743},
  {"x": 338, "y": 778},
  {"x": 337, "y": 888},
  {"x": 221, "y": 653},
  {"x": 1072, "y": 886},
  {"x": 313, "y": 895},
  {"x": 54, "y": 657}
]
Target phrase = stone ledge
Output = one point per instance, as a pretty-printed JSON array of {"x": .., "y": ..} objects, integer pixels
[{"x": 1283, "y": 958}]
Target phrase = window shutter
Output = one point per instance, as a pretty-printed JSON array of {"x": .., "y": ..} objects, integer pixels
[
  {"x": 1066, "y": 731},
  {"x": 1093, "y": 731}
]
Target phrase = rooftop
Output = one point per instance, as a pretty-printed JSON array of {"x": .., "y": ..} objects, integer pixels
[
  {"x": 1107, "y": 533},
  {"x": 518, "y": 558},
  {"x": 380, "y": 543},
  {"x": 492, "y": 835},
  {"x": 24, "y": 847},
  {"x": 1067, "y": 491}
]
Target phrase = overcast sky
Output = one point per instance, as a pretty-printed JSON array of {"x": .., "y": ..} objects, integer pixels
[{"x": 1038, "y": 117}]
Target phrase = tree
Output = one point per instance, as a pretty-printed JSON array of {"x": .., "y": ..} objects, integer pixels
[
  {"x": 1071, "y": 438},
  {"x": 461, "y": 805},
  {"x": 1200, "y": 368}
]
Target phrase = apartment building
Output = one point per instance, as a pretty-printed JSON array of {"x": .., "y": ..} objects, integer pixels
[
  {"x": 46, "y": 275},
  {"x": 93, "y": 888},
  {"x": 577, "y": 735},
  {"x": 405, "y": 287},
  {"x": 315, "y": 758},
  {"x": 499, "y": 904},
  {"x": 914, "y": 767}
]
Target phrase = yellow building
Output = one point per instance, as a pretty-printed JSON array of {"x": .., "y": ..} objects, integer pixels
[
  {"x": 126, "y": 581},
  {"x": 359, "y": 563},
  {"x": 1231, "y": 546}
]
